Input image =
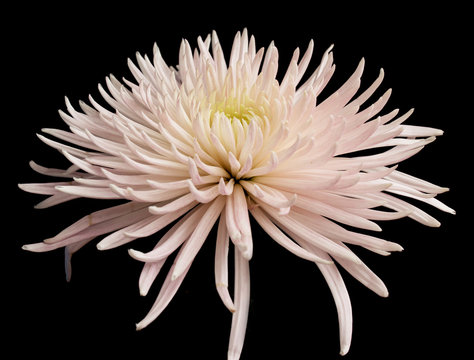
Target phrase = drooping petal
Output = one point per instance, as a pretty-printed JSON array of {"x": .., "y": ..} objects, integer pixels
[
  {"x": 199, "y": 235},
  {"x": 220, "y": 264},
  {"x": 242, "y": 302},
  {"x": 341, "y": 297}
]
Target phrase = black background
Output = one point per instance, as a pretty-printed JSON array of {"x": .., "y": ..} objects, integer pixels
[{"x": 50, "y": 52}]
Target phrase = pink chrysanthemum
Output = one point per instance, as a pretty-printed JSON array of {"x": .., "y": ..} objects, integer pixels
[{"x": 214, "y": 141}]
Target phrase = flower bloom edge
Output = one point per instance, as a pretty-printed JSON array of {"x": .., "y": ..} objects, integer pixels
[{"x": 215, "y": 142}]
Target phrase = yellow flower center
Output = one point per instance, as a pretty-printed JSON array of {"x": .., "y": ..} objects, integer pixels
[{"x": 237, "y": 108}]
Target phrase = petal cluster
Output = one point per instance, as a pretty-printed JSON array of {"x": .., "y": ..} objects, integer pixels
[{"x": 216, "y": 141}]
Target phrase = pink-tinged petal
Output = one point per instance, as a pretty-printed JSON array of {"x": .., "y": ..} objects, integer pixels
[
  {"x": 148, "y": 275},
  {"x": 71, "y": 138},
  {"x": 366, "y": 276},
  {"x": 249, "y": 142},
  {"x": 246, "y": 167},
  {"x": 88, "y": 192},
  {"x": 270, "y": 196},
  {"x": 226, "y": 188},
  {"x": 298, "y": 184},
  {"x": 43, "y": 188},
  {"x": 55, "y": 200},
  {"x": 162, "y": 169},
  {"x": 90, "y": 232},
  {"x": 297, "y": 225},
  {"x": 221, "y": 264},
  {"x": 148, "y": 195},
  {"x": 419, "y": 131},
  {"x": 173, "y": 206},
  {"x": 210, "y": 169},
  {"x": 242, "y": 302},
  {"x": 179, "y": 233},
  {"x": 151, "y": 269},
  {"x": 69, "y": 250},
  {"x": 340, "y": 98},
  {"x": 167, "y": 292},
  {"x": 362, "y": 98},
  {"x": 265, "y": 169},
  {"x": 54, "y": 172},
  {"x": 372, "y": 214},
  {"x": 340, "y": 295},
  {"x": 234, "y": 164},
  {"x": 220, "y": 152},
  {"x": 242, "y": 220},
  {"x": 128, "y": 180},
  {"x": 98, "y": 217},
  {"x": 415, "y": 213},
  {"x": 231, "y": 222},
  {"x": 206, "y": 195},
  {"x": 335, "y": 213},
  {"x": 83, "y": 165},
  {"x": 337, "y": 233},
  {"x": 355, "y": 202},
  {"x": 64, "y": 148},
  {"x": 194, "y": 172},
  {"x": 197, "y": 238},
  {"x": 277, "y": 235},
  {"x": 145, "y": 227},
  {"x": 416, "y": 183}
]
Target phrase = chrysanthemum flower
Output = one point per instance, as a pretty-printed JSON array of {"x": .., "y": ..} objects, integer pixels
[{"x": 212, "y": 141}]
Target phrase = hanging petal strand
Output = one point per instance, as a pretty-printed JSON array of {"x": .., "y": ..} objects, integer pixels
[
  {"x": 340, "y": 295},
  {"x": 221, "y": 263},
  {"x": 277, "y": 235},
  {"x": 167, "y": 292},
  {"x": 197, "y": 238},
  {"x": 242, "y": 301}
]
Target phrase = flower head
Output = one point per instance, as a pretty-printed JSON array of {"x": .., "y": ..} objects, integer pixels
[{"x": 215, "y": 141}]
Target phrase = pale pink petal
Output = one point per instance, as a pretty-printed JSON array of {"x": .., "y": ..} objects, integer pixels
[
  {"x": 282, "y": 239},
  {"x": 242, "y": 302},
  {"x": 69, "y": 250},
  {"x": 197, "y": 238},
  {"x": 172, "y": 206},
  {"x": 168, "y": 244},
  {"x": 167, "y": 292},
  {"x": 291, "y": 222},
  {"x": 151, "y": 269},
  {"x": 231, "y": 223},
  {"x": 335, "y": 213},
  {"x": 148, "y": 275},
  {"x": 242, "y": 220},
  {"x": 220, "y": 264},
  {"x": 146, "y": 227},
  {"x": 340, "y": 295}
]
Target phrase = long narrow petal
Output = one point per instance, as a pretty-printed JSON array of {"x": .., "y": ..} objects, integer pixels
[
  {"x": 340, "y": 295},
  {"x": 143, "y": 228},
  {"x": 242, "y": 301},
  {"x": 167, "y": 245},
  {"x": 199, "y": 235},
  {"x": 277, "y": 235},
  {"x": 221, "y": 263},
  {"x": 292, "y": 223},
  {"x": 167, "y": 292},
  {"x": 241, "y": 214},
  {"x": 173, "y": 205},
  {"x": 151, "y": 269}
]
